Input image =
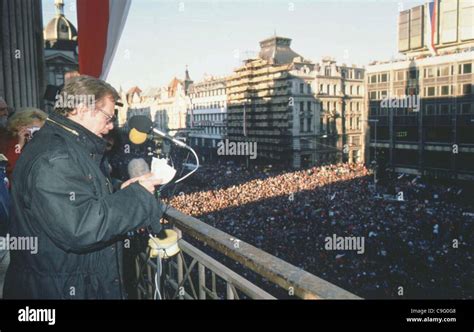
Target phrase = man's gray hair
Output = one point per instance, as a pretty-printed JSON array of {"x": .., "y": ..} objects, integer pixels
[{"x": 85, "y": 90}]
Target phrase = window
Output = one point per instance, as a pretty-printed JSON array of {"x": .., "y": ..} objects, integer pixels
[
  {"x": 301, "y": 106},
  {"x": 335, "y": 88},
  {"x": 384, "y": 77},
  {"x": 301, "y": 88},
  {"x": 444, "y": 109},
  {"x": 328, "y": 89},
  {"x": 373, "y": 79},
  {"x": 430, "y": 109},
  {"x": 358, "y": 90},
  {"x": 443, "y": 71},
  {"x": 467, "y": 68},
  {"x": 373, "y": 95},
  {"x": 327, "y": 71},
  {"x": 429, "y": 72},
  {"x": 321, "y": 88},
  {"x": 350, "y": 122},
  {"x": 309, "y": 106},
  {"x": 350, "y": 90},
  {"x": 466, "y": 89},
  {"x": 445, "y": 90},
  {"x": 430, "y": 91},
  {"x": 383, "y": 94},
  {"x": 466, "y": 109},
  {"x": 309, "y": 88},
  {"x": 400, "y": 75}
]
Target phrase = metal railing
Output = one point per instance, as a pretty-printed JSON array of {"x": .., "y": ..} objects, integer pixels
[{"x": 194, "y": 274}]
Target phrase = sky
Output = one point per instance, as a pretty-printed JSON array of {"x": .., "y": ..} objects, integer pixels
[{"x": 212, "y": 37}]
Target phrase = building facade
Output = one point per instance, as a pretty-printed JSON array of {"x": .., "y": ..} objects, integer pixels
[
  {"x": 341, "y": 93},
  {"x": 207, "y": 116},
  {"x": 422, "y": 108},
  {"x": 270, "y": 101}
]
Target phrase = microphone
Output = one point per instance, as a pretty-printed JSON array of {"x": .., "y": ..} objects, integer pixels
[
  {"x": 138, "y": 167},
  {"x": 141, "y": 125}
]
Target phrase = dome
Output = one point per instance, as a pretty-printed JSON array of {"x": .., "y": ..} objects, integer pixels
[
  {"x": 59, "y": 32},
  {"x": 60, "y": 28}
]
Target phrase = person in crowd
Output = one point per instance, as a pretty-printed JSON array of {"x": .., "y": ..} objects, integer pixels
[
  {"x": 21, "y": 127},
  {"x": 62, "y": 196}
]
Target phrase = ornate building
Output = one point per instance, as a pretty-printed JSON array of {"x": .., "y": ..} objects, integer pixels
[
  {"x": 60, "y": 46},
  {"x": 340, "y": 92}
]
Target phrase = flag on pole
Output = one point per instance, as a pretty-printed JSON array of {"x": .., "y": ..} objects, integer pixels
[
  {"x": 432, "y": 25},
  {"x": 100, "y": 25}
]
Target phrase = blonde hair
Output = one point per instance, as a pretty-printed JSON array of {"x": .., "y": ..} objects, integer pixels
[{"x": 23, "y": 118}]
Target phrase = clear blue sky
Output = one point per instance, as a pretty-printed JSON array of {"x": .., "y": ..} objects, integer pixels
[{"x": 161, "y": 37}]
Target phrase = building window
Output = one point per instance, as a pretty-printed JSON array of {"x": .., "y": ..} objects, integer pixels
[
  {"x": 309, "y": 106},
  {"x": 309, "y": 88},
  {"x": 445, "y": 90},
  {"x": 400, "y": 75},
  {"x": 430, "y": 91},
  {"x": 373, "y": 79},
  {"x": 430, "y": 109},
  {"x": 429, "y": 72},
  {"x": 301, "y": 87},
  {"x": 466, "y": 89},
  {"x": 444, "y": 109},
  {"x": 384, "y": 77},
  {"x": 301, "y": 106},
  {"x": 358, "y": 90},
  {"x": 465, "y": 68},
  {"x": 373, "y": 95},
  {"x": 466, "y": 108},
  {"x": 443, "y": 71},
  {"x": 327, "y": 71},
  {"x": 335, "y": 89}
]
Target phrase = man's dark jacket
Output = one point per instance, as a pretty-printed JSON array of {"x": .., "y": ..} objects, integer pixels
[{"x": 62, "y": 195}]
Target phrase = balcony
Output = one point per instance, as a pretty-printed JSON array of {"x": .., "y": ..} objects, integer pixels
[{"x": 194, "y": 274}]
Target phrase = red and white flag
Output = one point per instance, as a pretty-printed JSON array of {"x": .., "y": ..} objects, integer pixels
[{"x": 100, "y": 25}]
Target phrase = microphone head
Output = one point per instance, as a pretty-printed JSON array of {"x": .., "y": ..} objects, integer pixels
[
  {"x": 141, "y": 123},
  {"x": 138, "y": 167},
  {"x": 137, "y": 137}
]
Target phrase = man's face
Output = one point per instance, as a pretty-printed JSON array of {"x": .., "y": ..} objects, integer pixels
[{"x": 101, "y": 119}]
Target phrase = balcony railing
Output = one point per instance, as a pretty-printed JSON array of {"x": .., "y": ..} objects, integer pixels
[{"x": 194, "y": 274}]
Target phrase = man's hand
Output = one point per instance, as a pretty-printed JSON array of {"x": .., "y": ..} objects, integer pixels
[{"x": 147, "y": 181}]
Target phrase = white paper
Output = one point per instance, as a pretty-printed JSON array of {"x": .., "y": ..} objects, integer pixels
[{"x": 161, "y": 170}]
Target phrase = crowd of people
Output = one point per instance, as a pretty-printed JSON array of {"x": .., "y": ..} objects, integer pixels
[{"x": 418, "y": 236}]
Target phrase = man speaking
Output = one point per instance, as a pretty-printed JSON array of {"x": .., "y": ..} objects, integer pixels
[{"x": 62, "y": 195}]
